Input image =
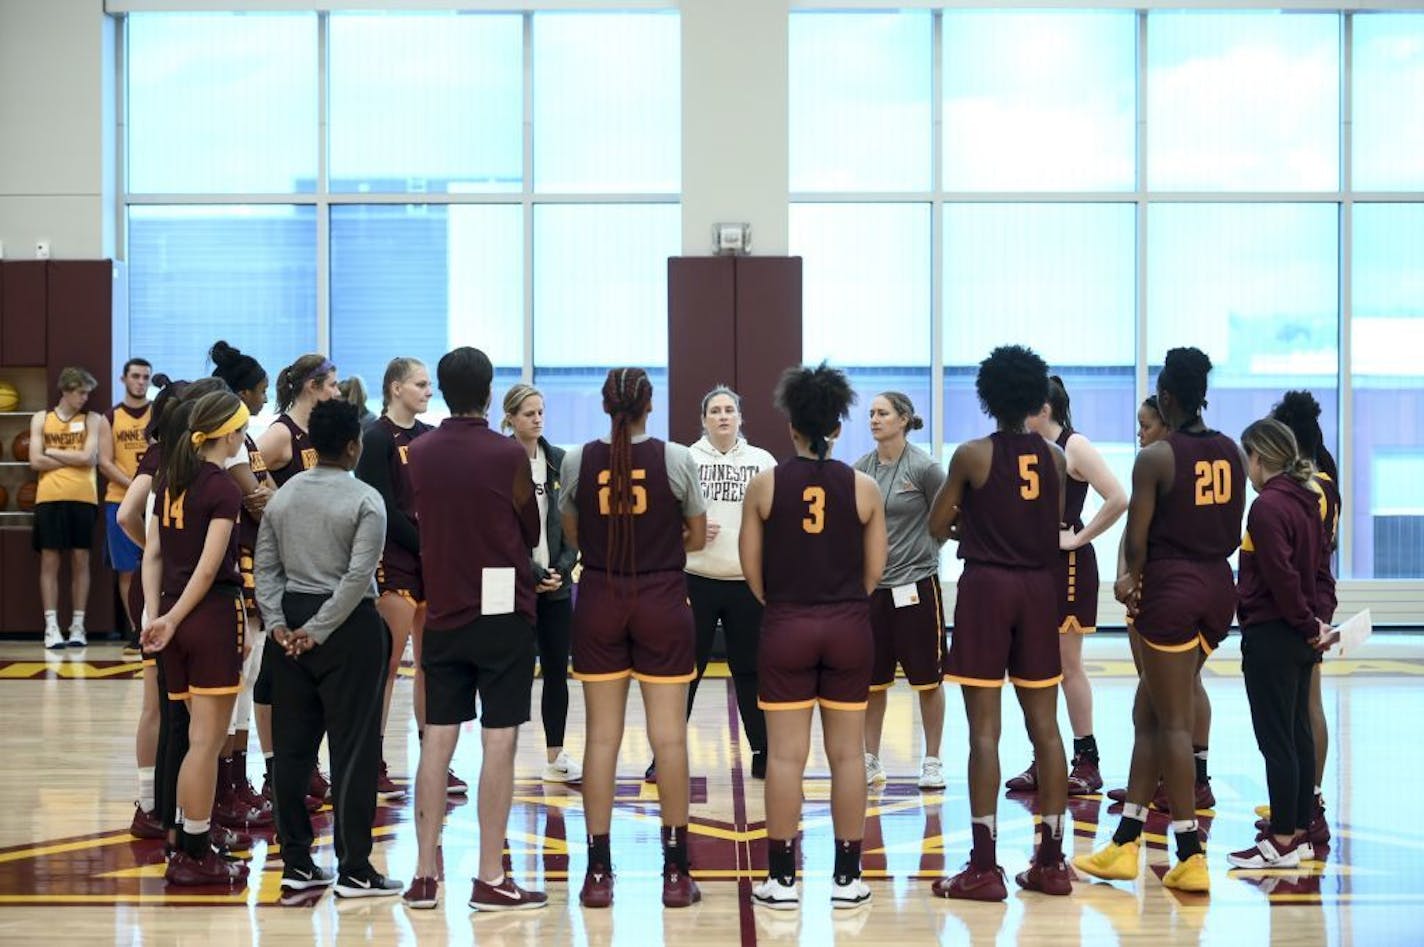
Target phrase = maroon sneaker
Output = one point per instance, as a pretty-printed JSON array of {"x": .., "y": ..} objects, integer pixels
[
  {"x": 242, "y": 788},
  {"x": 1047, "y": 879},
  {"x": 1317, "y": 833},
  {"x": 1027, "y": 781},
  {"x": 1205, "y": 798},
  {"x": 320, "y": 786},
  {"x": 1084, "y": 779},
  {"x": 146, "y": 824},
  {"x": 974, "y": 884},
  {"x": 1118, "y": 795},
  {"x": 227, "y": 840},
  {"x": 679, "y": 890},
  {"x": 505, "y": 896},
  {"x": 597, "y": 891},
  {"x": 211, "y": 869},
  {"x": 423, "y": 894},
  {"x": 454, "y": 785},
  {"x": 312, "y": 802},
  {"x": 385, "y": 786}
]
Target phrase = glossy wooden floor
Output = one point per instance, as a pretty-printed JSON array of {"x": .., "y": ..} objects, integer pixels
[{"x": 67, "y": 783}]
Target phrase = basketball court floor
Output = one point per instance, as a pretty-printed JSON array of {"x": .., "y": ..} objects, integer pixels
[{"x": 69, "y": 872}]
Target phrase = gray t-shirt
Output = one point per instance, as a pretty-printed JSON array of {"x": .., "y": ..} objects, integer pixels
[
  {"x": 681, "y": 470},
  {"x": 909, "y": 485},
  {"x": 322, "y": 533}
]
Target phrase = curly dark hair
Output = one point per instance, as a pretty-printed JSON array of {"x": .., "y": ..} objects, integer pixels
[
  {"x": 1183, "y": 376},
  {"x": 334, "y": 424},
  {"x": 1012, "y": 384},
  {"x": 815, "y": 401}
]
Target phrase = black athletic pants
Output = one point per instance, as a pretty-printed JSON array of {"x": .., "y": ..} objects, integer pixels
[
  {"x": 731, "y": 601},
  {"x": 551, "y": 632},
  {"x": 1277, "y": 663},
  {"x": 172, "y": 747},
  {"x": 335, "y": 688}
]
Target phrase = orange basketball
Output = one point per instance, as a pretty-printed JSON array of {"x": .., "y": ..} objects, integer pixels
[
  {"x": 20, "y": 446},
  {"x": 4, "y": 497},
  {"x": 25, "y": 499}
]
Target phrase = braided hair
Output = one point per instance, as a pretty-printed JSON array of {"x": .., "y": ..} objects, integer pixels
[{"x": 627, "y": 396}]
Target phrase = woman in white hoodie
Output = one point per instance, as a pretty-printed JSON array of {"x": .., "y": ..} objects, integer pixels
[{"x": 715, "y": 584}]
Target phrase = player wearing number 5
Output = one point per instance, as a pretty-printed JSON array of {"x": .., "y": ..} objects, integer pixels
[
  {"x": 1003, "y": 501},
  {"x": 1183, "y": 522},
  {"x": 633, "y": 506}
]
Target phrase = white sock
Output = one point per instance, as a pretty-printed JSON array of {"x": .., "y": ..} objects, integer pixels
[
  {"x": 145, "y": 788},
  {"x": 267, "y": 756},
  {"x": 1317, "y": 790},
  {"x": 77, "y": 622},
  {"x": 1054, "y": 824},
  {"x": 51, "y": 618},
  {"x": 988, "y": 820},
  {"x": 1184, "y": 825},
  {"x": 1134, "y": 812},
  {"x": 196, "y": 826}
]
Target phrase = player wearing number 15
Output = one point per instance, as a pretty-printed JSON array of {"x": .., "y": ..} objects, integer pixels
[
  {"x": 634, "y": 507},
  {"x": 1183, "y": 521},
  {"x": 1003, "y": 501}
]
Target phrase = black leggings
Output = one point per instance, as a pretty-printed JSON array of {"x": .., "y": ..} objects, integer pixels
[
  {"x": 1277, "y": 664},
  {"x": 172, "y": 747},
  {"x": 551, "y": 632},
  {"x": 732, "y": 601}
]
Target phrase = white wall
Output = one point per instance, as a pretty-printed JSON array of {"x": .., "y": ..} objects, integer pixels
[{"x": 55, "y": 69}]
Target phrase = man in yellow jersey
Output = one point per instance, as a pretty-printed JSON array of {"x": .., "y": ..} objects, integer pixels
[
  {"x": 64, "y": 448},
  {"x": 122, "y": 441}
]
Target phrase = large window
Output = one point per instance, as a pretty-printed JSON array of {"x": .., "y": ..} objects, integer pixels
[
  {"x": 1102, "y": 206},
  {"x": 465, "y": 179}
]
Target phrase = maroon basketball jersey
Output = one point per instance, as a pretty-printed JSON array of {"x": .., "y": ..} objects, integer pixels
[
  {"x": 657, "y": 512},
  {"x": 1013, "y": 519},
  {"x": 813, "y": 549},
  {"x": 1076, "y": 492},
  {"x": 1325, "y": 599},
  {"x": 151, "y": 463},
  {"x": 183, "y": 527},
  {"x": 246, "y": 523},
  {"x": 1200, "y": 517},
  {"x": 303, "y": 454},
  {"x": 395, "y": 555}
]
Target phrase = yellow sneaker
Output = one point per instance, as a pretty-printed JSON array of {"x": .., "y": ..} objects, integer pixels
[
  {"x": 1189, "y": 875},
  {"x": 1263, "y": 812},
  {"x": 1114, "y": 862}
]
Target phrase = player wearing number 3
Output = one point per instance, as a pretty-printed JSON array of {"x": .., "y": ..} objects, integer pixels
[
  {"x": 1183, "y": 522},
  {"x": 633, "y": 506}
]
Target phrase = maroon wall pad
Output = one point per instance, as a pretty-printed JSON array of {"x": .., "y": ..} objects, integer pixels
[
  {"x": 22, "y": 326},
  {"x": 701, "y": 338},
  {"x": 768, "y": 328}
]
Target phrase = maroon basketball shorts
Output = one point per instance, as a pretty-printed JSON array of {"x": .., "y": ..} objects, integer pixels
[
  {"x": 249, "y": 579},
  {"x": 815, "y": 654},
  {"x": 1076, "y": 574},
  {"x": 911, "y": 635},
  {"x": 1004, "y": 624},
  {"x": 205, "y": 655},
  {"x": 1186, "y": 604},
  {"x": 640, "y": 626},
  {"x": 398, "y": 576}
]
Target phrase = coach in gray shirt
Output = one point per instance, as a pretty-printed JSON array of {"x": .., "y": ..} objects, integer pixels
[{"x": 317, "y": 551}]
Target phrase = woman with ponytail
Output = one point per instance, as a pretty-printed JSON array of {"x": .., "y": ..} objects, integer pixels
[
  {"x": 633, "y": 507},
  {"x": 190, "y": 571},
  {"x": 905, "y": 610},
  {"x": 1281, "y": 635},
  {"x": 812, "y": 548}
]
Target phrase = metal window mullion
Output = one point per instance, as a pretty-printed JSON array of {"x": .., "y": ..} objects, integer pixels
[
  {"x": 1346, "y": 402},
  {"x": 527, "y": 199},
  {"x": 121, "y": 142},
  {"x": 323, "y": 189},
  {"x": 937, "y": 210},
  {"x": 1140, "y": 194}
]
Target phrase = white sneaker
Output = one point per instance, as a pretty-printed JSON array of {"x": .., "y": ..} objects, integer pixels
[
  {"x": 931, "y": 773},
  {"x": 1265, "y": 854},
  {"x": 76, "y": 637},
  {"x": 772, "y": 894},
  {"x": 54, "y": 638},
  {"x": 853, "y": 894},
  {"x": 562, "y": 770},
  {"x": 874, "y": 772}
]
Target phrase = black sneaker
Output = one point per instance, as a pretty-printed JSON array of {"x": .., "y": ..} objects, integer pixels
[
  {"x": 650, "y": 775},
  {"x": 368, "y": 884},
  {"x": 759, "y": 764},
  {"x": 302, "y": 877}
]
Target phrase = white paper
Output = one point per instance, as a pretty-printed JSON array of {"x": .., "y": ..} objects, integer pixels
[
  {"x": 496, "y": 590},
  {"x": 1354, "y": 632},
  {"x": 906, "y": 595}
]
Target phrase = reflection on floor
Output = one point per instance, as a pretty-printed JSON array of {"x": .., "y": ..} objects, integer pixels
[{"x": 67, "y": 785}]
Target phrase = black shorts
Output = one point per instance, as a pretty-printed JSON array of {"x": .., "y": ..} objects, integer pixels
[
  {"x": 262, "y": 687},
  {"x": 492, "y": 657},
  {"x": 63, "y": 525}
]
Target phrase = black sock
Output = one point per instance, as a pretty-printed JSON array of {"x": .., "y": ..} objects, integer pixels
[
  {"x": 675, "y": 847},
  {"x": 420, "y": 735},
  {"x": 267, "y": 766},
  {"x": 984, "y": 853},
  {"x": 1200, "y": 757},
  {"x": 1129, "y": 827},
  {"x": 195, "y": 846},
  {"x": 1085, "y": 749},
  {"x": 781, "y": 859},
  {"x": 847, "y": 860},
  {"x": 598, "y": 853},
  {"x": 1188, "y": 843}
]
